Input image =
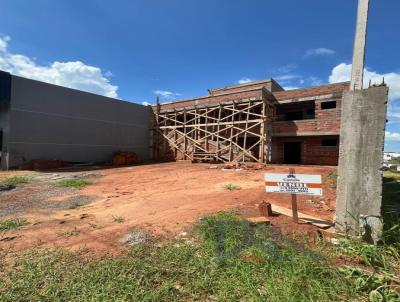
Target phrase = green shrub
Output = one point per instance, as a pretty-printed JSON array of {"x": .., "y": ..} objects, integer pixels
[
  {"x": 12, "y": 224},
  {"x": 15, "y": 180},
  {"x": 73, "y": 183}
]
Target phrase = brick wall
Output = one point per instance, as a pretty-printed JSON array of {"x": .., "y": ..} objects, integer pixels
[
  {"x": 212, "y": 100},
  {"x": 326, "y": 122},
  {"x": 312, "y": 152},
  {"x": 312, "y": 91}
]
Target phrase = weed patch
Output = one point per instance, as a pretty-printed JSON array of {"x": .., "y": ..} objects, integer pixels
[
  {"x": 15, "y": 180},
  {"x": 73, "y": 183},
  {"x": 391, "y": 210},
  {"x": 227, "y": 260},
  {"x": 68, "y": 234},
  {"x": 332, "y": 177},
  {"x": 118, "y": 219},
  {"x": 231, "y": 187},
  {"x": 378, "y": 286},
  {"x": 12, "y": 224},
  {"x": 380, "y": 258}
]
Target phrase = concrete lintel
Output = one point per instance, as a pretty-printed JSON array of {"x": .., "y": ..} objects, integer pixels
[
  {"x": 315, "y": 133},
  {"x": 202, "y": 106},
  {"x": 310, "y": 98}
]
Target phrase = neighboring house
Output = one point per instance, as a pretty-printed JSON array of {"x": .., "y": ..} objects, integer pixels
[
  {"x": 389, "y": 166},
  {"x": 387, "y": 156},
  {"x": 258, "y": 121},
  {"x": 49, "y": 122}
]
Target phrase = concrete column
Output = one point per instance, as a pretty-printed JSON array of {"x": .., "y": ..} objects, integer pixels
[
  {"x": 359, "y": 190},
  {"x": 357, "y": 71}
]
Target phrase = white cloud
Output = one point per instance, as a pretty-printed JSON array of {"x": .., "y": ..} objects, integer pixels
[
  {"x": 290, "y": 87},
  {"x": 394, "y": 112},
  {"x": 287, "y": 77},
  {"x": 74, "y": 74},
  {"x": 315, "y": 81},
  {"x": 342, "y": 73},
  {"x": 3, "y": 43},
  {"x": 166, "y": 95},
  {"x": 163, "y": 93},
  {"x": 392, "y": 136},
  {"x": 287, "y": 68},
  {"x": 244, "y": 80},
  {"x": 295, "y": 81},
  {"x": 145, "y": 103},
  {"x": 319, "y": 52}
]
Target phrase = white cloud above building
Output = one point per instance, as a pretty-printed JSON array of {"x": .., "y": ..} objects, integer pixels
[{"x": 71, "y": 74}]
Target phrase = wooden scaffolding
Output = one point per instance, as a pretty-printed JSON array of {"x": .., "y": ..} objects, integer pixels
[{"x": 232, "y": 131}]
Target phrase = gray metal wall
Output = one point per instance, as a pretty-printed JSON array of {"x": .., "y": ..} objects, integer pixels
[{"x": 51, "y": 122}]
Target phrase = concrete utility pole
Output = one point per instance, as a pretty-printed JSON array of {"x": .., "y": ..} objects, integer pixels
[
  {"x": 362, "y": 132},
  {"x": 357, "y": 71}
]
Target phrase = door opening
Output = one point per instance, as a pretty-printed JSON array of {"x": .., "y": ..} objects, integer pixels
[{"x": 292, "y": 153}]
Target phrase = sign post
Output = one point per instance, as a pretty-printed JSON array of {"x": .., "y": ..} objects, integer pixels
[
  {"x": 294, "y": 201},
  {"x": 293, "y": 184}
]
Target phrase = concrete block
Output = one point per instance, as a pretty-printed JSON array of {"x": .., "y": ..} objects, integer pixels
[{"x": 359, "y": 195}]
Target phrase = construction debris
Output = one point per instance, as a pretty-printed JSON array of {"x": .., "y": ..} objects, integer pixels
[
  {"x": 318, "y": 222},
  {"x": 6, "y": 187},
  {"x": 121, "y": 158},
  {"x": 257, "y": 220},
  {"x": 265, "y": 209},
  {"x": 41, "y": 165},
  {"x": 135, "y": 237}
]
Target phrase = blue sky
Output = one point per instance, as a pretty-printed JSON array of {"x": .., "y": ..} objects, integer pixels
[{"x": 178, "y": 48}]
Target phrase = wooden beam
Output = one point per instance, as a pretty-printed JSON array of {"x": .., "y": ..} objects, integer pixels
[
  {"x": 184, "y": 131},
  {"x": 222, "y": 127},
  {"x": 231, "y": 138},
  {"x": 262, "y": 138},
  {"x": 245, "y": 134},
  {"x": 211, "y": 124}
]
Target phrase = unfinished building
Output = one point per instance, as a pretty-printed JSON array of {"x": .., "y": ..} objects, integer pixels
[{"x": 257, "y": 121}]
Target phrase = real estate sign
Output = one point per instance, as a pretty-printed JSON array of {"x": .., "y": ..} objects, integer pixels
[{"x": 293, "y": 183}]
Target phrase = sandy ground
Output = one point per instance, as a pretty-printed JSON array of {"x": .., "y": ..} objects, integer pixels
[{"x": 163, "y": 199}]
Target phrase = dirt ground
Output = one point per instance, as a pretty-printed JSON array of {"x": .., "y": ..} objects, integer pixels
[{"x": 163, "y": 199}]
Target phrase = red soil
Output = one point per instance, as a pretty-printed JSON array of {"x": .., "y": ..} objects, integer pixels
[{"x": 164, "y": 199}]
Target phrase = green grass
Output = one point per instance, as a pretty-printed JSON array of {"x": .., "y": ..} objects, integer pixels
[
  {"x": 231, "y": 187},
  {"x": 15, "y": 180},
  {"x": 391, "y": 208},
  {"x": 73, "y": 183},
  {"x": 389, "y": 176},
  {"x": 395, "y": 161},
  {"x": 118, "y": 219},
  {"x": 227, "y": 260},
  {"x": 12, "y": 224}
]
